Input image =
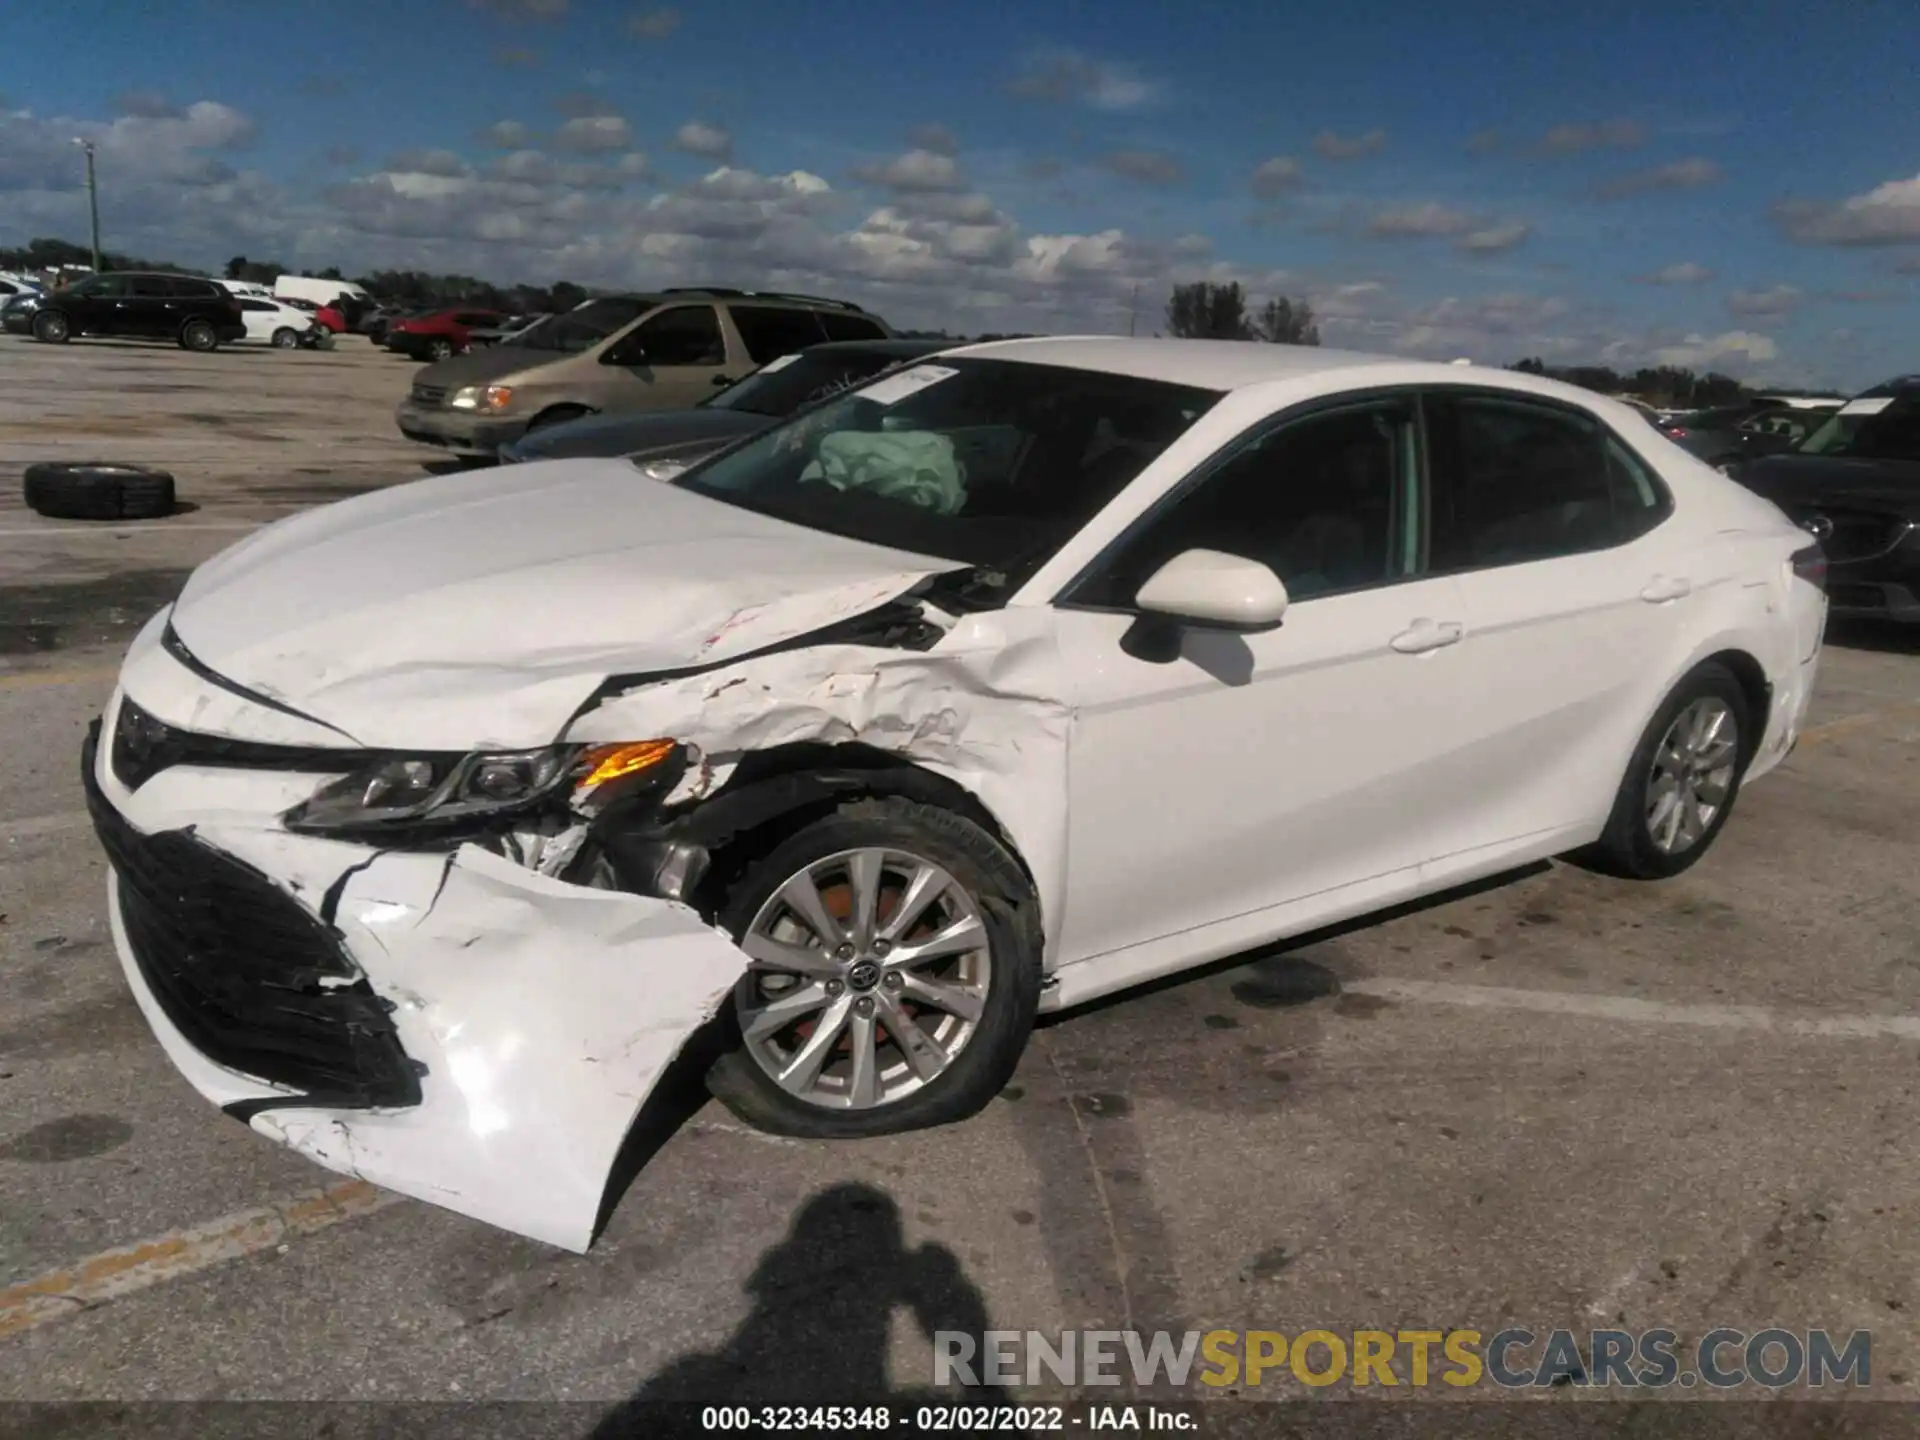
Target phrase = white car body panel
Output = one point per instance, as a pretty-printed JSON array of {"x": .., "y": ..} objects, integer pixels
[
  {"x": 262, "y": 325},
  {"x": 1290, "y": 778}
]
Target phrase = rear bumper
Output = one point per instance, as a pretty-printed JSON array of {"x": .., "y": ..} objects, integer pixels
[{"x": 458, "y": 431}]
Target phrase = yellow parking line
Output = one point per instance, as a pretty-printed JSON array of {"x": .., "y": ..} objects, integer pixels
[
  {"x": 114, "y": 1273},
  {"x": 58, "y": 677}
]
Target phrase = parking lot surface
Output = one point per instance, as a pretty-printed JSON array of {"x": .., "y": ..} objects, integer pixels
[{"x": 1559, "y": 1100}]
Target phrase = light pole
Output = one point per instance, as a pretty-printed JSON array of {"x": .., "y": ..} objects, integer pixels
[{"x": 93, "y": 201}]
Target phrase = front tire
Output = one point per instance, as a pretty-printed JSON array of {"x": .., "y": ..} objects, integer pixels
[
  {"x": 440, "y": 350},
  {"x": 199, "y": 336},
  {"x": 51, "y": 328},
  {"x": 896, "y": 971},
  {"x": 1683, "y": 779}
]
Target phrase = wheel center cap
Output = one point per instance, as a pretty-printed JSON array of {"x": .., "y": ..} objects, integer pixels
[{"x": 863, "y": 976}]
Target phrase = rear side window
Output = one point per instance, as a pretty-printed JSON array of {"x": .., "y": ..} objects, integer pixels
[
  {"x": 843, "y": 326},
  {"x": 254, "y": 305},
  {"x": 1893, "y": 434},
  {"x": 1515, "y": 481},
  {"x": 190, "y": 289},
  {"x": 769, "y": 333},
  {"x": 474, "y": 317},
  {"x": 149, "y": 287}
]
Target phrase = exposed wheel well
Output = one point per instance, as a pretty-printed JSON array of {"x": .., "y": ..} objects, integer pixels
[
  {"x": 773, "y": 793},
  {"x": 1752, "y": 678},
  {"x": 558, "y": 415}
]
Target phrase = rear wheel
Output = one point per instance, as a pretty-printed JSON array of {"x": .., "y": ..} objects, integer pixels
[
  {"x": 285, "y": 338},
  {"x": 895, "y": 974},
  {"x": 1682, "y": 781},
  {"x": 200, "y": 336},
  {"x": 51, "y": 326}
]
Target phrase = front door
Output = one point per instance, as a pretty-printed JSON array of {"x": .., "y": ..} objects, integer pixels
[
  {"x": 669, "y": 361},
  {"x": 1247, "y": 771}
]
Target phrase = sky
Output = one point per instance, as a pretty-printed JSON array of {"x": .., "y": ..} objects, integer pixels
[{"x": 1721, "y": 184}]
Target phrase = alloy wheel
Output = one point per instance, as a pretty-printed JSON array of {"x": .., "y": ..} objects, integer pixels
[
  {"x": 870, "y": 972},
  {"x": 1692, "y": 776}
]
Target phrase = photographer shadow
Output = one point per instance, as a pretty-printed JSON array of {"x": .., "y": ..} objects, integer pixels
[{"x": 824, "y": 1299}]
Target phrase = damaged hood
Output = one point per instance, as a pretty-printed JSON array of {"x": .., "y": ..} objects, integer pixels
[{"x": 477, "y": 610}]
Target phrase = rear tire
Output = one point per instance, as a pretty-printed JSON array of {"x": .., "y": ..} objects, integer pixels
[
  {"x": 98, "y": 491},
  {"x": 286, "y": 338},
  {"x": 199, "y": 337},
  {"x": 1682, "y": 781},
  {"x": 953, "y": 1071},
  {"x": 51, "y": 328}
]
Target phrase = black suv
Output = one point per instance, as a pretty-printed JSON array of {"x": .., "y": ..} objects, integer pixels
[{"x": 196, "y": 314}]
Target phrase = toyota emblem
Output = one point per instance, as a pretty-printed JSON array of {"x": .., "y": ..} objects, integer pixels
[{"x": 1818, "y": 526}]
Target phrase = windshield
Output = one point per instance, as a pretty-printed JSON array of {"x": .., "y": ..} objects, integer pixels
[
  {"x": 783, "y": 386},
  {"x": 1885, "y": 428},
  {"x": 584, "y": 326},
  {"x": 990, "y": 463}
]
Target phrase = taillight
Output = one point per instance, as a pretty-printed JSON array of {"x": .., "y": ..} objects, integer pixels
[
  {"x": 1810, "y": 565},
  {"x": 1678, "y": 432}
]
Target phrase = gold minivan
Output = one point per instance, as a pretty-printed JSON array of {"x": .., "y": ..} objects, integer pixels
[{"x": 668, "y": 350}]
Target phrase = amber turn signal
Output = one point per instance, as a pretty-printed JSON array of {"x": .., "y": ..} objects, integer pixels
[{"x": 604, "y": 763}]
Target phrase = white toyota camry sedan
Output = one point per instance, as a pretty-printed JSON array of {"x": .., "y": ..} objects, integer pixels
[{"x": 441, "y": 819}]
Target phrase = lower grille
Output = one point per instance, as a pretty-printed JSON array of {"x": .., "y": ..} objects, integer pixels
[
  {"x": 429, "y": 394},
  {"x": 254, "y": 981}
]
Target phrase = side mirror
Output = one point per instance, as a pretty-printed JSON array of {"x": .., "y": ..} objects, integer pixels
[{"x": 1212, "y": 589}]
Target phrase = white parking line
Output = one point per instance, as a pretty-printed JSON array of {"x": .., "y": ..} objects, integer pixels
[
  {"x": 1645, "y": 1012},
  {"x": 129, "y": 1268}
]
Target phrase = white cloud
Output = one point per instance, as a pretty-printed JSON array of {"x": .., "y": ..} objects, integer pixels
[
  {"x": 1494, "y": 239},
  {"x": 1888, "y": 214},
  {"x": 1704, "y": 352},
  {"x": 1331, "y": 145},
  {"x": 507, "y": 135},
  {"x": 1273, "y": 178},
  {"x": 1067, "y": 77},
  {"x": 937, "y": 138},
  {"x": 710, "y": 142},
  {"x": 1689, "y": 174},
  {"x": 1419, "y": 221},
  {"x": 915, "y": 170},
  {"x": 1593, "y": 135},
  {"x": 593, "y": 134},
  {"x": 1149, "y": 167},
  {"x": 1686, "y": 273},
  {"x": 1775, "y": 301}
]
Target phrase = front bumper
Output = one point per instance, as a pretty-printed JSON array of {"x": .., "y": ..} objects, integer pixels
[
  {"x": 461, "y": 431},
  {"x": 451, "y": 1026}
]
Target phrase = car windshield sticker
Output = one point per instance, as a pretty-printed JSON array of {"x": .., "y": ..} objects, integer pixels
[
  {"x": 895, "y": 388},
  {"x": 780, "y": 364},
  {"x": 1866, "y": 407}
]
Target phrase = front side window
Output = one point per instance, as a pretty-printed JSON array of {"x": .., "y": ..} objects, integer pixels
[
  {"x": 1325, "y": 502},
  {"x": 104, "y": 287},
  {"x": 1514, "y": 481},
  {"x": 683, "y": 335},
  {"x": 769, "y": 333},
  {"x": 992, "y": 464}
]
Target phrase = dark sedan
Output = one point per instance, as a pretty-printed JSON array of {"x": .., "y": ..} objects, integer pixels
[
  {"x": 672, "y": 440},
  {"x": 1854, "y": 484}
]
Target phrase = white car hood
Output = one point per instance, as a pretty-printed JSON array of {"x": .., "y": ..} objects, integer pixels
[{"x": 481, "y": 609}]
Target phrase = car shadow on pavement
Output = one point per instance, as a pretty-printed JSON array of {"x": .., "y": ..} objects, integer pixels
[{"x": 823, "y": 1305}]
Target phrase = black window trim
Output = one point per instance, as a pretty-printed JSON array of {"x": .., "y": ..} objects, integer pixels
[
  {"x": 1256, "y": 434},
  {"x": 1662, "y": 511}
]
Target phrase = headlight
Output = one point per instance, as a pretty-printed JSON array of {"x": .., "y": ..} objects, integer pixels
[
  {"x": 482, "y": 397},
  {"x": 400, "y": 790}
]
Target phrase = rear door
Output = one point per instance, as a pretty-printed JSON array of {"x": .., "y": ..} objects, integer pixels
[{"x": 1573, "y": 588}]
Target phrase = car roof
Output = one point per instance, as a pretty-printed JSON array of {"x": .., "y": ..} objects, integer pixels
[
  {"x": 1207, "y": 364},
  {"x": 905, "y": 349}
]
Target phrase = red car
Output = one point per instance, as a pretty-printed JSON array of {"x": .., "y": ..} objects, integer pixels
[{"x": 439, "y": 335}]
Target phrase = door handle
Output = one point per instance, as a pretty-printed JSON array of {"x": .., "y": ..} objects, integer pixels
[
  {"x": 1666, "y": 587},
  {"x": 1424, "y": 635}
]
